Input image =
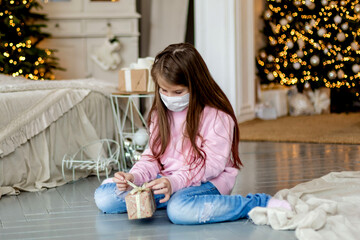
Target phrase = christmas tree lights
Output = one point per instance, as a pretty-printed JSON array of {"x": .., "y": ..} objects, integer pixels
[
  {"x": 19, "y": 38},
  {"x": 313, "y": 42}
]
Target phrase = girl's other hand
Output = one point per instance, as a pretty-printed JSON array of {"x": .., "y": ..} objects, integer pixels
[
  {"x": 120, "y": 180},
  {"x": 161, "y": 186}
]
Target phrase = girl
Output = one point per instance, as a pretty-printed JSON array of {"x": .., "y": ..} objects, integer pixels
[{"x": 192, "y": 160}]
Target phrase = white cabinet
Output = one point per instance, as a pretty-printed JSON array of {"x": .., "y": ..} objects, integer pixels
[
  {"x": 72, "y": 56},
  {"x": 79, "y": 27}
]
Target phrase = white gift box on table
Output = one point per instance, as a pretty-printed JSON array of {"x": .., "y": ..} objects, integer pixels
[{"x": 137, "y": 78}]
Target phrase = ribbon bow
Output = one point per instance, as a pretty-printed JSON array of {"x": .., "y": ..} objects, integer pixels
[{"x": 136, "y": 189}]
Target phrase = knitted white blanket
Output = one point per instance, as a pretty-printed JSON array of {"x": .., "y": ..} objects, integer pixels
[{"x": 324, "y": 208}]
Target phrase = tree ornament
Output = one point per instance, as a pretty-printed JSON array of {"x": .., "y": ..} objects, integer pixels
[
  {"x": 345, "y": 26},
  {"x": 315, "y": 60},
  {"x": 357, "y": 8},
  {"x": 310, "y": 4},
  {"x": 326, "y": 50},
  {"x": 321, "y": 32},
  {"x": 141, "y": 137},
  {"x": 273, "y": 42},
  {"x": 300, "y": 43},
  {"x": 339, "y": 57},
  {"x": 341, "y": 36},
  {"x": 308, "y": 27},
  {"x": 267, "y": 14},
  {"x": 290, "y": 44},
  {"x": 300, "y": 53},
  {"x": 355, "y": 68},
  {"x": 333, "y": 4},
  {"x": 332, "y": 75},
  {"x": 307, "y": 85},
  {"x": 296, "y": 65},
  {"x": 270, "y": 76},
  {"x": 274, "y": 28},
  {"x": 289, "y": 18},
  {"x": 343, "y": 3},
  {"x": 354, "y": 46},
  {"x": 297, "y": 3},
  {"x": 324, "y": 2},
  {"x": 263, "y": 54},
  {"x": 340, "y": 74},
  {"x": 136, "y": 156},
  {"x": 312, "y": 22},
  {"x": 337, "y": 19},
  {"x": 271, "y": 58},
  {"x": 283, "y": 21}
]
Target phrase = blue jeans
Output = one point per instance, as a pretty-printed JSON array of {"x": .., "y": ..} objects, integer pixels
[{"x": 192, "y": 205}]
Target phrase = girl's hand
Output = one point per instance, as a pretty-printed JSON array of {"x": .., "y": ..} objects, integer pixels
[
  {"x": 120, "y": 180},
  {"x": 161, "y": 186}
]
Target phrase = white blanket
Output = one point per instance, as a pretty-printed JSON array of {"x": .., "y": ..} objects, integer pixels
[
  {"x": 40, "y": 121},
  {"x": 325, "y": 208},
  {"x": 28, "y": 107}
]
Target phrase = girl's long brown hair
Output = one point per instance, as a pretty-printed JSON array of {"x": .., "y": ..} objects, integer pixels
[{"x": 181, "y": 64}]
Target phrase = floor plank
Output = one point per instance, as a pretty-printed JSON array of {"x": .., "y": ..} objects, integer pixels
[
  {"x": 70, "y": 193},
  {"x": 10, "y": 209},
  {"x": 51, "y": 198}
]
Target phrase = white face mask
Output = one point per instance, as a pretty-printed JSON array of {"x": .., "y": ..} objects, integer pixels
[{"x": 176, "y": 104}]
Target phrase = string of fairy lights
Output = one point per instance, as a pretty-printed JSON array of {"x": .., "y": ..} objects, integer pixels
[
  {"x": 14, "y": 51},
  {"x": 321, "y": 32}
]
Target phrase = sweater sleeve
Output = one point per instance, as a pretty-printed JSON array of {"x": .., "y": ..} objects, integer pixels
[
  {"x": 147, "y": 168},
  {"x": 217, "y": 135}
]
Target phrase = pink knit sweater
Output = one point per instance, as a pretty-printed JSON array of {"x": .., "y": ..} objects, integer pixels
[{"x": 216, "y": 129}]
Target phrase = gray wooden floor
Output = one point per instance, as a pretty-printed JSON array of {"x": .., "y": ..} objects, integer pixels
[{"x": 69, "y": 212}]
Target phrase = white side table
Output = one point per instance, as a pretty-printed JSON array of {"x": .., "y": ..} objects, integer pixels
[{"x": 120, "y": 119}]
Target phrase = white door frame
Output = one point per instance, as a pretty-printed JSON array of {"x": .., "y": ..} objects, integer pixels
[{"x": 224, "y": 36}]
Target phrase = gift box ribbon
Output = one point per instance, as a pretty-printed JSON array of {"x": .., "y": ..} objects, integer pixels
[
  {"x": 137, "y": 190},
  {"x": 128, "y": 80}
]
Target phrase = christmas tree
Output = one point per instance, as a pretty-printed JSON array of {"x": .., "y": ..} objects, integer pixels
[
  {"x": 20, "y": 35},
  {"x": 311, "y": 42}
]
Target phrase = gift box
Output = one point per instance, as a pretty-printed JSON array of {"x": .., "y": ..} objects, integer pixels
[
  {"x": 320, "y": 98},
  {"x": 140, "y": 203},
  {"x": 133, "y": 80},
  {"x": 276, "y": 97},
  {"x": 137, "y": 77}
]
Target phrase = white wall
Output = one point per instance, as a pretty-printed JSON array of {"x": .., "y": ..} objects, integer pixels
[
  {"x": 167, "y": 24},
  {"x": 224, "y": 36}
]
